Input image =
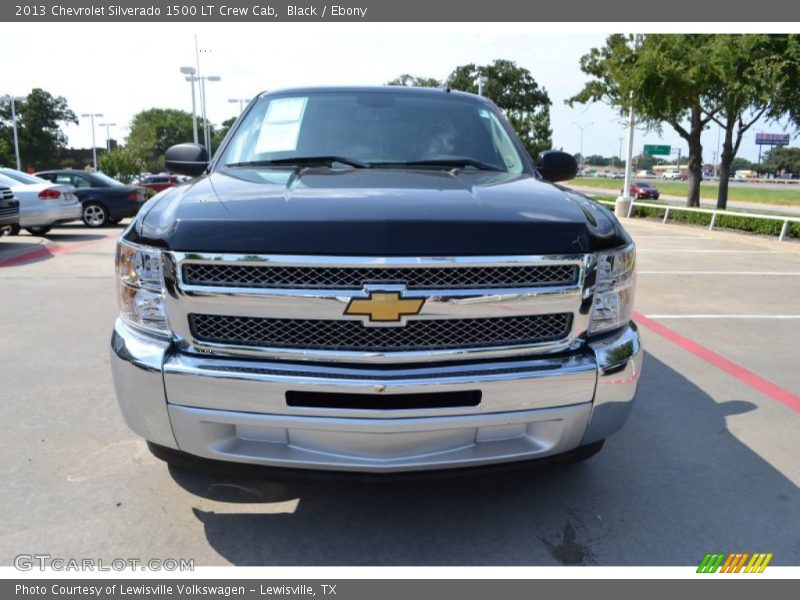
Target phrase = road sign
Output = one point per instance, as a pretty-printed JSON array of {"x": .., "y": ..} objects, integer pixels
[
  {"x": 772, "y": 139},
  {"x": 653, "y": 150}
]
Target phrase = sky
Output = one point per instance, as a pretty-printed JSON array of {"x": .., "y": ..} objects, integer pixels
[{"x": 120, "y": 69}]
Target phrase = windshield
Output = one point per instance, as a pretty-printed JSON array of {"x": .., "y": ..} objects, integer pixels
[
  {"x": 106, "y": 179},
  {"x": 375, "y": 129},
  {"x": 19, "y": 177}
]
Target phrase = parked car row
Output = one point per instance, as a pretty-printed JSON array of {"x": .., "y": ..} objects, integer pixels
[
  {"x": 48, "y": 198},
  {"x": 104, "y": 200},
  {"x": 41, "y": 203}
]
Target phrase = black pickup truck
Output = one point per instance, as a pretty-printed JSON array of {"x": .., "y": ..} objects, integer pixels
[{"x": 374, "y": 279}]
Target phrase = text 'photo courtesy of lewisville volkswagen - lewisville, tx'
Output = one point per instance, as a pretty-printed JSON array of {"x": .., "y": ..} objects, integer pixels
[{"x": 324, "y": 287}]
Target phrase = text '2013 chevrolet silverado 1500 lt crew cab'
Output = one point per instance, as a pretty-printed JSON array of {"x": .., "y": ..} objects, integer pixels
[{"x": 374, "y": 279}]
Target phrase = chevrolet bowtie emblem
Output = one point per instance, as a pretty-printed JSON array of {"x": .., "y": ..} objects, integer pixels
[{"x": 384, "y": 307}]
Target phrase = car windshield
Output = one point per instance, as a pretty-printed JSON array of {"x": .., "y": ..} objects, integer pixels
[
  {"x": 373, "y": 129},
  {"x": 19, "y": 177},
  {"x": 641, "y": 184},
  {"x": 109, "y": 181}
]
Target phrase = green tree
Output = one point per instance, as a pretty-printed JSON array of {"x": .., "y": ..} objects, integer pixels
[
  {"x": 121, "y": 163},
  {"x": 6, "y": 151},
  {"x": 219, "y": 134},
  {"x": 596, "y": 160},
  {"x": 741, "y": 164},
  {"x": 779, "y": 161},
  {"x": 751, "y": 79},
  {"x": 153, "y": 131},
  {"x": 690, "y": 81},
  {"x": 39, "y": 121},
  {"x": 407, "y": 80},
  {"x": 513, "y": 89},
  {"x": 665, "y": 79}
]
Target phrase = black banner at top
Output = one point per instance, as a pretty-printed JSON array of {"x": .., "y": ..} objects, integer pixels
[{"x": 244, "y": 11}]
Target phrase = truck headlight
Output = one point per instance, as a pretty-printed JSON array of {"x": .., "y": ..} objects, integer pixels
[
  {"x": 614, "y": 288},
  {"x": 140, "y": 286}
]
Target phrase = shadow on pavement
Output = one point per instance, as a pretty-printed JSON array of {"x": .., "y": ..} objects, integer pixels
[
  {"x": 671, "y": 486},
  {"x": 15, "y": 253}
]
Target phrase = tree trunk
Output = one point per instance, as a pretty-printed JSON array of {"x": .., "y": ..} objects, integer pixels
[
  {"x": 724, "y": 178},
  {"x": 695, "y": 159},
  {"x": 725, "y": 162}
]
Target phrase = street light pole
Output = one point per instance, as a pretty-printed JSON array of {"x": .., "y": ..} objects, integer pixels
[
  {"x": 94, "y": 147},
  {"x": 582, "y": 127},
  {"x": 206, "y": 127},
  {"x": 190, "y": 71},
  {"x": 241, "y": 102},
  {"x": 14, "y": 100},
  {"x": 108, "y": 134},
  {"x": 624, "y": 203},
  {"x": 482, "y": 79}
]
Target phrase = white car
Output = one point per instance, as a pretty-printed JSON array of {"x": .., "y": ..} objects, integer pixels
[
  {"x": 42, "y": 204},
  {"x": 672, "y": 175}
]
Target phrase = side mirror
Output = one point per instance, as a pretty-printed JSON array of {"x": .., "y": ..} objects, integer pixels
[
  {"x": 186, "y": 159},
  {"x": 555, "y": 165}
]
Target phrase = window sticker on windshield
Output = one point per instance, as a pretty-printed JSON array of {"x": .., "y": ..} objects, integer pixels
[{"x": 281, "y": 126}]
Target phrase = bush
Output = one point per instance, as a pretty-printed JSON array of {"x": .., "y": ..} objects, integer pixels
[
  {"x": 121, "y": 163},
  {"x": 749, "y": 224}
]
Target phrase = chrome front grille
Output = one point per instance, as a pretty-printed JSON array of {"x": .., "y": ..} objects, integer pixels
[
  {"x": 6, "y": 193},
  {"x": 354, "y": 278},
  {"x": 319, "y": 334},
  {"x": 295, "y": 307}
]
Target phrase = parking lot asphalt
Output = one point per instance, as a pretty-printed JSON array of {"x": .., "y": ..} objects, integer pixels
[{"x": 708, "y": 461}]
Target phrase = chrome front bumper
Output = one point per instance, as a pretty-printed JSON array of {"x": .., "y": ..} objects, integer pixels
[{"x": 236, "y": 410}]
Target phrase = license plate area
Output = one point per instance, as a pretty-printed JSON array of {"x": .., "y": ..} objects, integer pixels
[{"x": 460, "y": 399}]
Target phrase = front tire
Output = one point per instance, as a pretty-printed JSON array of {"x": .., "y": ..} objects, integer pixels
[
  {"x": 41, "y": 230},
  {"x": 95, "y": 215},
  {"x": 14, "y": 230}
]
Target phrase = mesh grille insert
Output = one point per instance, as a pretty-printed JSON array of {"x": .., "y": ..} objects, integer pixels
[{"x": 416, "y": 335}]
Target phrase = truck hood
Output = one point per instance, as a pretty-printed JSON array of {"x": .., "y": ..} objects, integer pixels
[{"x": 375, "y": 212}]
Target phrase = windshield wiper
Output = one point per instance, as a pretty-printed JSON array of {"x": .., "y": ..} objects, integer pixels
[
  {"x": 448, "y": 163},
  {"x": 302, "y": 161}
]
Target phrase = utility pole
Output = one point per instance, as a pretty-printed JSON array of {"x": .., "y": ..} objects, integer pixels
[
  {"x": 13, "y": 100},
  {"x": 582, "y": 127},
  {"x": 482, "y": 79},
  {"x": 94, "y": 146},
  {"x": 624, "y": 204}
]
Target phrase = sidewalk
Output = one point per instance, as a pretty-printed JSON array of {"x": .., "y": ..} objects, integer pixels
[{"x": 734, "y": 205}]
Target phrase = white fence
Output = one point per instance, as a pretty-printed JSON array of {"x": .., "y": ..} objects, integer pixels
[{"x": 714, "y": 212}]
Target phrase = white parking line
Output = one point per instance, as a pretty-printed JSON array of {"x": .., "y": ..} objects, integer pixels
[
  {"x": 755, "y": 273},
  {"x": 717, "y": 316},
  {"x": 708, "y": 251},
  {"x": 670, "y": 237}
]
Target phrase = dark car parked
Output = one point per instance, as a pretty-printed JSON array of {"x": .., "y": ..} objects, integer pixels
[
  {"x": 105, "y": 200},
  {"x": 9, "y": 210},
  {"x": 645, "y": 191}
]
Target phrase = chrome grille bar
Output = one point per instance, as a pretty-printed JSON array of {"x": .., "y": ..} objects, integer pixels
[{"x": 354, "y": 278}]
